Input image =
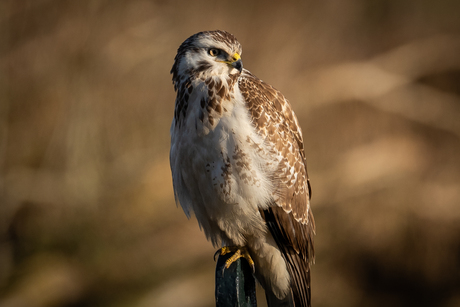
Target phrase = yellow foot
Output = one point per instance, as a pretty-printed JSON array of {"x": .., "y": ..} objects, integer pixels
[{"x": 238, "y": 252}]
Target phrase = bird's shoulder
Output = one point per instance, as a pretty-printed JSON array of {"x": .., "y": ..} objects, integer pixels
[
  {"x": 274, "y": 120},
  {"x": 270, "y": 111}
]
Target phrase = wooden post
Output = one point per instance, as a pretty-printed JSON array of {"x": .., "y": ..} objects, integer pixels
[{"x": 235, "y": 286}]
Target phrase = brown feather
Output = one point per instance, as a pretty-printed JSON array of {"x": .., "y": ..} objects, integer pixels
[
  {"x": 295, "y": 241},
  {"x": 289, "y": 218}
]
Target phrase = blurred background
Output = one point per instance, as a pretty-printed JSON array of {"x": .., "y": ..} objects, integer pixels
[{"x": 87, "y": 214}]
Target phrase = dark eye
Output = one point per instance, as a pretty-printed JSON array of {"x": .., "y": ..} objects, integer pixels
[{"x": 214, "y": 52}]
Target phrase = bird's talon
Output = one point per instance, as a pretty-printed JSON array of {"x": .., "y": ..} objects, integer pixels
[
  {"x": 215, "y": 254},
  {"x": 225, "y": 250},
  {"x": 238, "y": 252}
]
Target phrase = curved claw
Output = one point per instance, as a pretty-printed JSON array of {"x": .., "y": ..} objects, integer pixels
[
  {"x": 225, "y": 250},
  {"x": 238, "y": 252},
  {"x": 217, "y": 252}
]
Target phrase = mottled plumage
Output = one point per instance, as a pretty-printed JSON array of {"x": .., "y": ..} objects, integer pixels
[{"x": 238, "y": 163}]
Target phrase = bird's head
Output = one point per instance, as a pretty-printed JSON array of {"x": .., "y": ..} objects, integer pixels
[{"x": 206, "y": 54}]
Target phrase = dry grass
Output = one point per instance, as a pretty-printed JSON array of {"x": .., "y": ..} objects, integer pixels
[{"x": 87, "y": 215}]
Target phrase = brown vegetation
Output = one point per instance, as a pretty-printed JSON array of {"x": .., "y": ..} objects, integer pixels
[{"x": 87, "y": 214}]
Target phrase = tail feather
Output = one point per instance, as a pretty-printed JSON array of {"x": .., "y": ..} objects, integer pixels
[
  {"x": 297, "y": 259},
  {"x": 299, "y": 271}
]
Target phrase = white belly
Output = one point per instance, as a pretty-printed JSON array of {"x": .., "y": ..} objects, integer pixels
[{"x": 221, "y": 173}]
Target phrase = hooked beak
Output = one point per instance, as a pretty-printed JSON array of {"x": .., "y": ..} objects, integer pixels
[
  {"x": 236, "y": 62},
  {"x": 238, "y": 65}
]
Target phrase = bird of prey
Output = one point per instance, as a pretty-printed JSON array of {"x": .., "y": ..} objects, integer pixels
[{"x": 238, "y": 164}]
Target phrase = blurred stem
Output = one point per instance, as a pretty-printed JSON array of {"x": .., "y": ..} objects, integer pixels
[{"x": 4, "y": 95}]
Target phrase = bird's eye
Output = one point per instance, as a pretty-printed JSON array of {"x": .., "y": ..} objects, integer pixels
[{"x": 213, "y": 52}]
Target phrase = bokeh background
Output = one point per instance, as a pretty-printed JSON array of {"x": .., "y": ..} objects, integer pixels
[{"x": 87, "y": 214}]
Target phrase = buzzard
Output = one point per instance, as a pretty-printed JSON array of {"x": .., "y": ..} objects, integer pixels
[{"x": 238, "y": 164}]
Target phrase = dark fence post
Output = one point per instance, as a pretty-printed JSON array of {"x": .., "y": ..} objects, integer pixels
[{"x": 235, "y": 286}]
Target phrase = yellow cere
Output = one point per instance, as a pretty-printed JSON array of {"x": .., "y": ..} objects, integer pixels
[{"x": 235, "y": 58}]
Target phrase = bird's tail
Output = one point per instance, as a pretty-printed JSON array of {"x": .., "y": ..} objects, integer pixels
[{"x": 297, "y": 259}]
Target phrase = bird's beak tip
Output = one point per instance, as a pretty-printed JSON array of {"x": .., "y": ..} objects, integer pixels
[{"x": 238, "y": 64}]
